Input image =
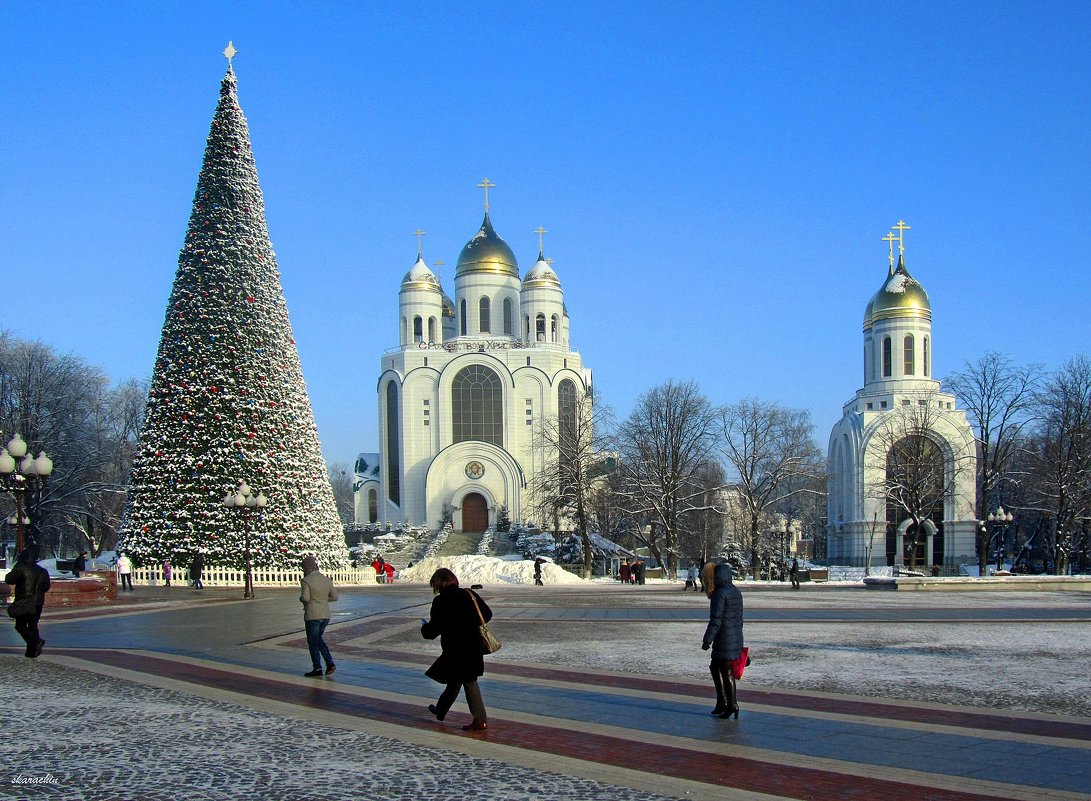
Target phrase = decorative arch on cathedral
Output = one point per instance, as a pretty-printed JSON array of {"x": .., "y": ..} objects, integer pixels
[
  {"x": 477, "y": 405},
  {"x": 916, "y": 478},
  {"x": 393, "y": 445}
]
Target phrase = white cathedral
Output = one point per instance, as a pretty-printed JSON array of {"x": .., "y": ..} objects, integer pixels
[
  {"x": 460, "y": 396},
  {"x": 900, "y": 402}
]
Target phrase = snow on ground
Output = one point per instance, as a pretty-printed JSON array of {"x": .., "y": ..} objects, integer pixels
[{"x": 477, "y": 569}]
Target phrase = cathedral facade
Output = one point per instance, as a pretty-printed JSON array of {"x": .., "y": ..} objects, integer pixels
[
  {"x": 461, "y": 395},
  {"x": 902, "y": 459}
]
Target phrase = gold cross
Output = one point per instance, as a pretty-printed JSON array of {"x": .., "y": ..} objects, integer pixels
[
  {"x": 486, "y": 185},
  {"x": 902, "y": 228},
  {"x": 439, "y": 268},
  {"x": 549, "y": 262},
  {"x": 889, "y": 239},
  {"x": 229, "y": 53},
  {"x": 418, "y": 234},
  {"x": 539, "y": 231}
]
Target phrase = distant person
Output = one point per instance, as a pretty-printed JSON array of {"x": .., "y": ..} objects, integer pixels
[
  {"x": 624, "y": 573},
  {"x": 691, "y": 577},
  {"x": 315, "y": 594},
  {"x": 125, "y": 572},
  {"x": 793, "y": 573},
  {"x": 638, "y": 569},
  {"x": 31, "y": 582},
  {"x": 455, "y": 618},
  {"x": 166, "y": 572},
  {"x": 538, "y": 572},
  {"x": 724, "y": 636},
  {"x": 196, "y": 568},
  {"x": 388, "y": 569},
  {"x": 80, "y": 564}
]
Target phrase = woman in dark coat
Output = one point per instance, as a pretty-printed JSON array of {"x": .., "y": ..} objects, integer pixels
[
  {"x": 724, "y": 636},
  {"x": 454, "y": 619}
]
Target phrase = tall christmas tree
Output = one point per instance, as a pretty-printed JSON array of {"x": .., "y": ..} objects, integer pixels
[{"x": 228, "y": 402}]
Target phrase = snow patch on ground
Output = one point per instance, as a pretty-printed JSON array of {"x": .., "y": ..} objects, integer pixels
[{"x": 478, "y": 569}]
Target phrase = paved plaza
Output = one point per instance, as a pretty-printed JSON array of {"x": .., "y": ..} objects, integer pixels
[{"x": 599, "y": 692}]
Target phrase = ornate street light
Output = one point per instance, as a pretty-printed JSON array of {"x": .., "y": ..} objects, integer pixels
[
  {"x": 246, "y": 502},
  {"x": 1002, "y": 520},
  {"x": 20, "y": 472}
]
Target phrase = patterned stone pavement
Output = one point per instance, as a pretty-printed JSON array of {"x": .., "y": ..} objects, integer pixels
[{"x": 199, "y": 696}]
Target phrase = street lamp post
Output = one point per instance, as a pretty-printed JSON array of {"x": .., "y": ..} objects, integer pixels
[
  {"x": 246, "y": 502},
  {"x": 1001, "y": 520},
  {"x": 20, "y": 472}
]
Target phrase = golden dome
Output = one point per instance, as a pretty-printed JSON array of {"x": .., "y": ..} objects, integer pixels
[
  {"x": 487, "y": 253},
  {"x": 541, "y": 274},
  {"x": 901, "y": 295},
  {"x": 420, "y": 277}
]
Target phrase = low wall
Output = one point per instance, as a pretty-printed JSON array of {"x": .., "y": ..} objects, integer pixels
[
  {"x": 213, "y": 576},
  {"x": 92, "y": 587},
  {"x": 992, "y": 584}
]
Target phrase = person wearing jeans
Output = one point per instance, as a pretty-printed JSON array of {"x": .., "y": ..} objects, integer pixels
[{"x": 316, "y": 593}]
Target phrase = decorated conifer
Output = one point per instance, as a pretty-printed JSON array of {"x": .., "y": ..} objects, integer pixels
[{"x": 228, "y": 403}]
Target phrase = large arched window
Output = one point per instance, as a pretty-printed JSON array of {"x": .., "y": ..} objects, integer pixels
[
  {"x": 393, "y": 441},
  {"x": 887, "y": 359},
  {"x": 462, "y": 317},
  {"x": 477, "y": 406},
  {"x": 908, "y": 355},
  {"x": 509, "y": 318},
  {"x": 484, "y": 324}
]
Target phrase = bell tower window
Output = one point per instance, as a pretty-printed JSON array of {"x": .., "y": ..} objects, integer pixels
[
  {"x": 484, "y": 321},
  {"x": 887, "y": 358},
  {"x": 908, "y": 355}
]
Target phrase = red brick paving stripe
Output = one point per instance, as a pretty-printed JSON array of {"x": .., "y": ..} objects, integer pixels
[
  {"x": 683, "y": 763},
  {"x": 958, "y": 718}
]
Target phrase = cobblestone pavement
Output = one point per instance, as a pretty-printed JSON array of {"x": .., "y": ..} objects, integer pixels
[{"x": 104, "y": 739}]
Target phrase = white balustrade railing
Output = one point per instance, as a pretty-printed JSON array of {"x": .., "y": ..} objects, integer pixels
[{"x": 215, "y": 576}]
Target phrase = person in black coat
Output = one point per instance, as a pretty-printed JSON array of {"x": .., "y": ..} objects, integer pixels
[
  {"x": 196, "y": 568},
  {"x": 724, "y": 636},
  {"x": 455, "y": 620},
  {"x": 80, "y": 564},
  {"x": 31, "y": 583}
]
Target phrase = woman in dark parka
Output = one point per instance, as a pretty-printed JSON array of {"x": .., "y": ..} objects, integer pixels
[
  {"x": 454, "y": 619},
  {"x": 724, "y": 637}
]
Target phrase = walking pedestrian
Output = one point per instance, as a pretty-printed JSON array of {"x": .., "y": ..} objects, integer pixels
[
  {"x": 793, "y": 573},
  {"x": 196, "y": 568},
  {"x": 638, "y": 571},
  {"x": 125, "y": 572},
  {"x": 691, "y": 577},
  {"x": 316, "y": 593},
  {"x": 166, "y": 572},
  {"x": 724, "y": 636},
  {"x": 31, "y": 581},
  {"x": 455, "y": 618},
  {"x": 538, "y": 572}
]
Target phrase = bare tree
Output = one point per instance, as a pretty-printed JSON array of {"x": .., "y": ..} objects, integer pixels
[
  {"x": 572, "y": 444},
  {"x": 341, "y": 482},
  {"x": 663, "y": 445},
  {"x": 701, "y": 533},
  {"x": 767, "y": 449},
  {"x": 998, "y": 397},
  {"x": 1061, "y": 457}
]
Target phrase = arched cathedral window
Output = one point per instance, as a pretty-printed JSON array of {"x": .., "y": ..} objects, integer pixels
[
  {"x": 462, "y": 317},
  {"x": 926, "y": 358},
  {"x": 477, "y": 406},
  {"x": 887, "y": 358},
  {"x": 509, "y": 318},
  {"x": 418, "y": 329},
  {"x": 393, "y": 442},
  {"x": 484, "y": 321},
  {"x": 908, "y": 355},
  {"x": 539, "y": 328}
]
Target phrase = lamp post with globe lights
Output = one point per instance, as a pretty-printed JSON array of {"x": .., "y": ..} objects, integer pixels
[
  {"x": 20, "y": 473},
  {"x": 1001, "y": 520},
  {"x": 246, "y": 503}
]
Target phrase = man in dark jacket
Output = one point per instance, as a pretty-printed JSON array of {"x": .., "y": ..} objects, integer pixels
[
  {"x": 724, "y": 636},
  {"x": 31, "y": 583}
]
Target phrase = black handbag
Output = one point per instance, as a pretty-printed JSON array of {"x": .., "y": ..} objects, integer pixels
[{"x": 24, "y": 606}]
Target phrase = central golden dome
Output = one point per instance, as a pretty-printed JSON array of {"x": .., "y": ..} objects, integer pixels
[
  {"x": 901, "y": 295},
  {"x": 487, "y": 253}
]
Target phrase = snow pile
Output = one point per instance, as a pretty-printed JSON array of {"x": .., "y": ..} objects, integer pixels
[{"x": 477, "y": 569}]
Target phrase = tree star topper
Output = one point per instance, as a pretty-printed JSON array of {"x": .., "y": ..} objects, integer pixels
[{"x": 230, "y": 52}]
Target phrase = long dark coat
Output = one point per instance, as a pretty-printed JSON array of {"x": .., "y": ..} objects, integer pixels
[
  {"x": 454, "y": 620},
  {"x": 31, "y": 581},
  {"x": 724, "y": 630}
]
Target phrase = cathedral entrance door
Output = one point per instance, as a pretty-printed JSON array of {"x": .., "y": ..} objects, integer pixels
[{"x": 475, "y": 513}]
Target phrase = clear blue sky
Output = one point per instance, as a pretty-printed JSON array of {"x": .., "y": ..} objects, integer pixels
[{"x": 715, "y": 177}]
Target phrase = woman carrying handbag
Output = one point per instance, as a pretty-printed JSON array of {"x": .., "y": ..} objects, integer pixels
[
  {"x": 456, "y": 617},
  {"x": 724, "y": 636}
]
